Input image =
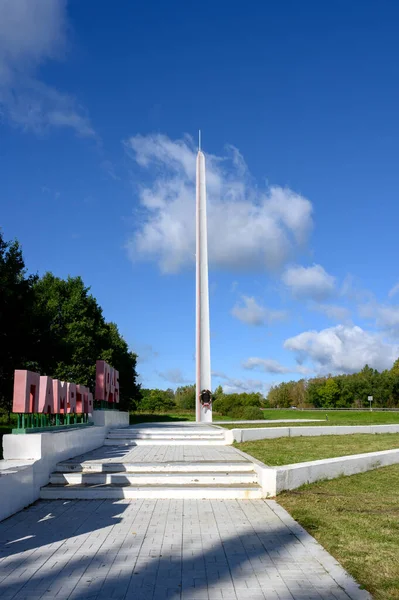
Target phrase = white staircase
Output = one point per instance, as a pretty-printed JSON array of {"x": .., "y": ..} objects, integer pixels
[
  {"x": 174, "y": 480},
  {"x": 158, "y": 470},
  {"x": 187, "y": 436}
]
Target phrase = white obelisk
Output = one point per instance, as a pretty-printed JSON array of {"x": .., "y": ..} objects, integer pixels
[{"x": 203, "y": 349}]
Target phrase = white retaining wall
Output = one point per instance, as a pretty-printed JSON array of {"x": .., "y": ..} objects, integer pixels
[
  {"x": 30, "y": 458},
  {"x": 263, "y": 433},
  {"x": 289, "y": 477},
  {"x": 110, "y": 418}
]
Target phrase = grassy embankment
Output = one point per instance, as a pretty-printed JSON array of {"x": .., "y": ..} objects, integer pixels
[
  {"x": 288, "y": 450},
  {"x": 357, "y": 520}
]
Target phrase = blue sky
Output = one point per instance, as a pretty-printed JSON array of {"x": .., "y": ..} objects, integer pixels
[{"x": 100, "y": 104}]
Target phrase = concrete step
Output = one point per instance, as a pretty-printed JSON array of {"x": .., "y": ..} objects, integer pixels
[
  {"x": 153, "y": 436},
  {"x": 147, "y": 478},
  {"x": 180, "y": 467},
  {"x": 169, "y": 430},
  {"x": 168, "y": 441},
  {"x": 90, "y": 492},
  {"x": 168, "y": 434}
]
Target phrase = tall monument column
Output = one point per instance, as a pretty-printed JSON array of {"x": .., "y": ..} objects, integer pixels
[{"x": 203, "y": 349}]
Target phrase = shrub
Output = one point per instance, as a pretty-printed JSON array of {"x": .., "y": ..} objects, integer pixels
[
  {"x": 251, "y": 413},
  {"x": 156, "y": 401}
]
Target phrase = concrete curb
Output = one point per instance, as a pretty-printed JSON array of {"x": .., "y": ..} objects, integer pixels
[
  {"x": 264, "y": 433},
  {"x": 289, "y": 477}
]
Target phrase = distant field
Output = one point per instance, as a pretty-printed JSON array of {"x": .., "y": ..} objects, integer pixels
[
  {"x": 285, "y": 451},
  {"x": 356, "y": 520},
  {"x": 329, "y": 417}
]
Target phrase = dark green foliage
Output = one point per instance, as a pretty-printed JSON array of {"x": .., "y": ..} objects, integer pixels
[
  {"x": 341, "y": 391},
  {"x": 155, "y": 401},
  {"x": 16, "y": 313},
  {"x": 251, "y": 413},
  {"x": 233, "y": 405},
  {"x": 56, "y": 327},
  {"x": 185, "y": 397}
]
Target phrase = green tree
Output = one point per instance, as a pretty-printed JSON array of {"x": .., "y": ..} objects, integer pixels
[
  {"x": 16, "y": 305},
  {"x": 155, "y": 401},
  {"x": 72, "y": 334},
  {"x": 185, "y": 397}
]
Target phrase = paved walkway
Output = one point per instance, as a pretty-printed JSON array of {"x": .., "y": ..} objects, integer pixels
[
  {"x": 164, "y": 549},
  {"x": 158, "y": 454}
]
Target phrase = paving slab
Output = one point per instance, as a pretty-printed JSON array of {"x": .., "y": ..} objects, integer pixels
[
  {"x": 155, "y": 454},
  {"x": 156, "y": 549}
]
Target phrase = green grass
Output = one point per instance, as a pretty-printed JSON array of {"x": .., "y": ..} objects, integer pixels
[
  {"x": 285, "y": 451},
  {"x": 356, "y": 519},
  {"x": 333, "y": 418}
]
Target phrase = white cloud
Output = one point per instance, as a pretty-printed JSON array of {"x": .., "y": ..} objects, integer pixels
[
  {"x": 248, "y": 227},
  {"x": 174, "y": 376},
  {"x": 33, "y": 32},
  {"x": 392, "y": 292},
  {"x": 333, "y": 311},
  {"x": 343, "y": 349},
  {"x": 309, "y": 282},
  {"x": 253, "y": 313}
]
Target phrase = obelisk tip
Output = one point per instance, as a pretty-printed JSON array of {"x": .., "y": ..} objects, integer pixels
[{"x": 199, "y": 140}]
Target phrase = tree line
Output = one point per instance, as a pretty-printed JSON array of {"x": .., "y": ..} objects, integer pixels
[
  {"x": 56, "y": 327},
  {"x": 340, "y": 391}
]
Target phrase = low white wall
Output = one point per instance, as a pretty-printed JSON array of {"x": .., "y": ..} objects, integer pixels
[
  {"x": 30, "y": 458},
  {"x": 274, "y": 480},
  {"x": 290, "y": 477},
  {"x": 263, "y": 433},
  {"x": 110, "y": 418}
]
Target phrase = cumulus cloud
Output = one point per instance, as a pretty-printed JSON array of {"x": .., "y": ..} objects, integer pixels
[
  {"x": 252, "y": 313},
  {"x": 343, "y": 349},
  {"x": 309, "y": 282},
  {"x": 174, "y": 376},
  {"x": 33, "y": 32},
  {"x": 248, "y": 227}
]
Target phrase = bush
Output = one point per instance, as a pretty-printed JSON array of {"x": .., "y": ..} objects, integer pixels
[
  {"x": 251, "y": 413},
  {"x": 234, "y": 404},
  {"x": 236, "y": 413},
  {"x": 185, "y": 397},
  {"x": 156, "y": 401}
]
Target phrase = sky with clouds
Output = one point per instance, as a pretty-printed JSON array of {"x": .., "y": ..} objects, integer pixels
[{"x": 297, "y": 102}]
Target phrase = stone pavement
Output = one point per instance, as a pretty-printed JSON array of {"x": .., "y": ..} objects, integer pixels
[{"x": 165, "y": 549}]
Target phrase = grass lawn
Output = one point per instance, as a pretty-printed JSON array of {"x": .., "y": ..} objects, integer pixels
[
  {"x": 357, "y": 520},
  {"x": 286, "y": 451},
  {"x": 334, "y": 418}
]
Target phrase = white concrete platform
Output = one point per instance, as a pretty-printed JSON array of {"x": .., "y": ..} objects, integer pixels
[{"x": 165, "y": 550}]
